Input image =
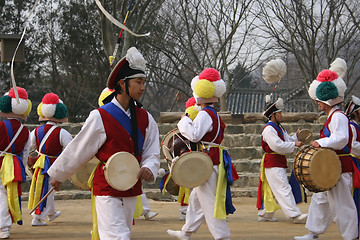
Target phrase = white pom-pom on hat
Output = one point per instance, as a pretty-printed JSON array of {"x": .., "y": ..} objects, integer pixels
[
  {"x": 135, "y": 59},
  {"x": 20, "y": 107},
  {"x": 339, "y": 66},
  {"x": 48, "y": 110},
  {"x": 220, "y": 88},
  {"x": 274, "y": 70},
  {"x": 194, "y": 81},
  {"x": 312, "y": 89}
]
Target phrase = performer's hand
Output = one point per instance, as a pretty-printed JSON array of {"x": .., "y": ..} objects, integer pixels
[
  {"x": 299, "y": 143},
  {"x": 184, "y": 115},
  {"x": 145, "y": 174},
  {"x": 297, "y": 132},
  {"x": 315, "y": 144},
  {"x": 56, "y": 184}
]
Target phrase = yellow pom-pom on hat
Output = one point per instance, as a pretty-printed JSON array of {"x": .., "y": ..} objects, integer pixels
[
  {"x": 191, "y": 108},
  {"x": 104, "y": 94},
  {"x": 208, "y": 86}
]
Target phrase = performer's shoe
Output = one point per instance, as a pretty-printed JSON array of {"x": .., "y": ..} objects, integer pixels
[
  {"x": 182, "y": 216},
  {"x": 300, "y": 219},
  {"x": 54, "y": 216},
  {"x": 179, "y": 234},
  {"x": 149, "y": 215},
  {"x": 266, "y": 219},
  {"x": 4, "y": 234},
  {"x": 306, "y": 237},
  {"x": 37, "y": 222}
]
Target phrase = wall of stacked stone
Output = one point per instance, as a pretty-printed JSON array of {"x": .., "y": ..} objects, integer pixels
[{"x": 242, "y": 137}]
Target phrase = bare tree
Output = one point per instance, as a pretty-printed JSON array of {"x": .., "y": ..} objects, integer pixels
[
  {"x": 315, "y": 32},
  {"x": 193, "y": 35}
]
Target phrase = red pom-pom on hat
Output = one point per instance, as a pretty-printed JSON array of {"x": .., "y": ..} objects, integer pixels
[
  {"x": 50, "y": 98},
  {"x": 327, "y": 76},
  {"x": 190, "y": 102},
  {"x": 210, "y": 74},
  {"x": 22, "y": 93}
]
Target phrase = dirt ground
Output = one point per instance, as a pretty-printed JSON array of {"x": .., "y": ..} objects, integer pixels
[{"x": 75, "y": 223}]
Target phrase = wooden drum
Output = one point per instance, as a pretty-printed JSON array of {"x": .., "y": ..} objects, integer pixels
[{"x": 318, "y": 169}]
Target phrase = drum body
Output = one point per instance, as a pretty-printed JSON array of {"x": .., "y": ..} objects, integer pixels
[
  {"x": 174, "y": 144},
  {"x": 318, "y": 169},
  {"x": 191, "y": 169},
  {"x": 81, "y": 177},
  {"x": 121, "y": 171},
  {"x": 172, "y": 187},
  {"x": 305, "y": 135}
]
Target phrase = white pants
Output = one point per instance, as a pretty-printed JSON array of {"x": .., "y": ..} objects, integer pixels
[
  {"x": 145, "y": 202},
  {"x": 279, "y": 184},
  {"x": 50, "y": 206},
  {"x": 201, "y": 207},
  {"x": 5, "y": 218},
  {"x": 337, "y": 202},
  {"x": 115, "y": 217}
]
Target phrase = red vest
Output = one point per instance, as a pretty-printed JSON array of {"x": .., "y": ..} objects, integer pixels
[
  {"x": 118, "y": 140},
  {"x": 209, "y": 136},
  {"x": 273, "y": 159},
  {"x": 52, "y": 144},
  {"x": 346, "y": 161},
  {"x": 20, "y": 142}
]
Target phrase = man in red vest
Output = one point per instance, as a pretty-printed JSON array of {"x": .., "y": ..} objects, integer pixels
[
  {"x": 276, "y": 142},
  {"x": 49, "y": 140},
  {"x": 120, "y": 125},
  {"x": 207, "y": 129},
  {"x": 328, "y": 90},
  {"x": 14, "y": 152}
]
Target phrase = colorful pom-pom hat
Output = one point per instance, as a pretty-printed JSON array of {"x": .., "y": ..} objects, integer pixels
[
  {"x": 133, "y": 65},
  {"x": 352, "y": 106},
  {"x": 192, "y": 109},
  {"x": 104, "y": 94},
  {"x": 208, "y": 87},
  {"x": 328, "y": 88},
  {"x": 16, "y": 108},
  {"x": 273, "y": 107},
  {"x": 52, "y": 108}
]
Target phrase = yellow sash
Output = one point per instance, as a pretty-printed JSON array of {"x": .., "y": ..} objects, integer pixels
[
  {"x": 7, "y": 176},
  {"x": 37, "y": 182},
  {"x": 94, "y": 232},
  {"x": 184, "y": 193},
  {"x": 270, "y": 204},
  {"x": 139, "y": 207}
]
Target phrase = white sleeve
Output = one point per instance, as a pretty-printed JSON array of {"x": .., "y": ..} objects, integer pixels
[
  {"x": 151, "y": 148},
  {"x": 25, "y": 154},
  {"x": 339, "y": 128},
  {"x": 32, "y": 140},
  {"x": 195, "y": 130},
  {"x": 81, "y": 149},
  {"x": 355, "y": 148},
  {"x": 270, "y": 136},
  {"x": 65, "y": 138}
]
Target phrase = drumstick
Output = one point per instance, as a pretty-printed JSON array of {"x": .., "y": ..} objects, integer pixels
[
  {"x": 307, "y": 138},
  {"x": 32, "y": 210}
]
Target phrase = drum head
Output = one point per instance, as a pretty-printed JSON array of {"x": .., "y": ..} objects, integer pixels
[
  {"x": 192, "y": 169},
  {"x": 81, "y": 177},
  {"x": 165, "y": 142},
  {"x": 121, "y": 171},
  {"x": 306, "y": 136},
  {"x": 325, "y": 168}
]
